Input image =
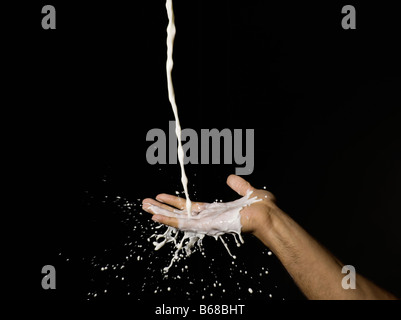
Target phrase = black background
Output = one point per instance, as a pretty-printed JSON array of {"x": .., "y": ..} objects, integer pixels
[{"x": 78, "y": 102}]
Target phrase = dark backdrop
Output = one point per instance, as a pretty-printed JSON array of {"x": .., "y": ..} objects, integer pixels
[{"x": 78, "y": 102}]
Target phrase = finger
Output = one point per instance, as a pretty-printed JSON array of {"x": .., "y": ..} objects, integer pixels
[
  {"x": 156, "y": 210},
  {"x": 178, "y": 202},
  {"x": 239, "y": 185},
  {"x": 147, "y": 203},
  {"x": 169, "y": 221}
]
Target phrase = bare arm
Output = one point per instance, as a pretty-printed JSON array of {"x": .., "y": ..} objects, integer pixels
[{"x": 314, "y": 269}]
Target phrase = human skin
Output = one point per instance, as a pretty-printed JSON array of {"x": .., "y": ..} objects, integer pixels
[{"x": 314, "y": 269}]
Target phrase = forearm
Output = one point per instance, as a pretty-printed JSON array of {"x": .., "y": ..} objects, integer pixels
[{"x": 314, "y": 269}]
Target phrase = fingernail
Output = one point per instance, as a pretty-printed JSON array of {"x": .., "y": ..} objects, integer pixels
[{"x": 156, "y": 218}]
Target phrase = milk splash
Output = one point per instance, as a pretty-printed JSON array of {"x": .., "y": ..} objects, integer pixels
[{"x": 213, "y": 219}]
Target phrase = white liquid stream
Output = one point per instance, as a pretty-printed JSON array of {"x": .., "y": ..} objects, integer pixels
[
  {"x": 213, "y": 219},
  {"x": 171, "y": 95}
]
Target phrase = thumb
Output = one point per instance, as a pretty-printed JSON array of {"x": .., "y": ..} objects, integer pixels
[{"x": 239, "y": 185}]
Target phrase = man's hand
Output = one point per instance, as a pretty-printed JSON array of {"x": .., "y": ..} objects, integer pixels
[
  {"x": 254, "y": 218},
  {"x": 315, "y": 270}
]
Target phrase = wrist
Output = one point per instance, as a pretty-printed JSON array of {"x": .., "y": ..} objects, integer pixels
[{"x": 268, "y": 224}]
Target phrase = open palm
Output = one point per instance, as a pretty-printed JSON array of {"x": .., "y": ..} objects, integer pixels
[{"x": 169, "y": 210}]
